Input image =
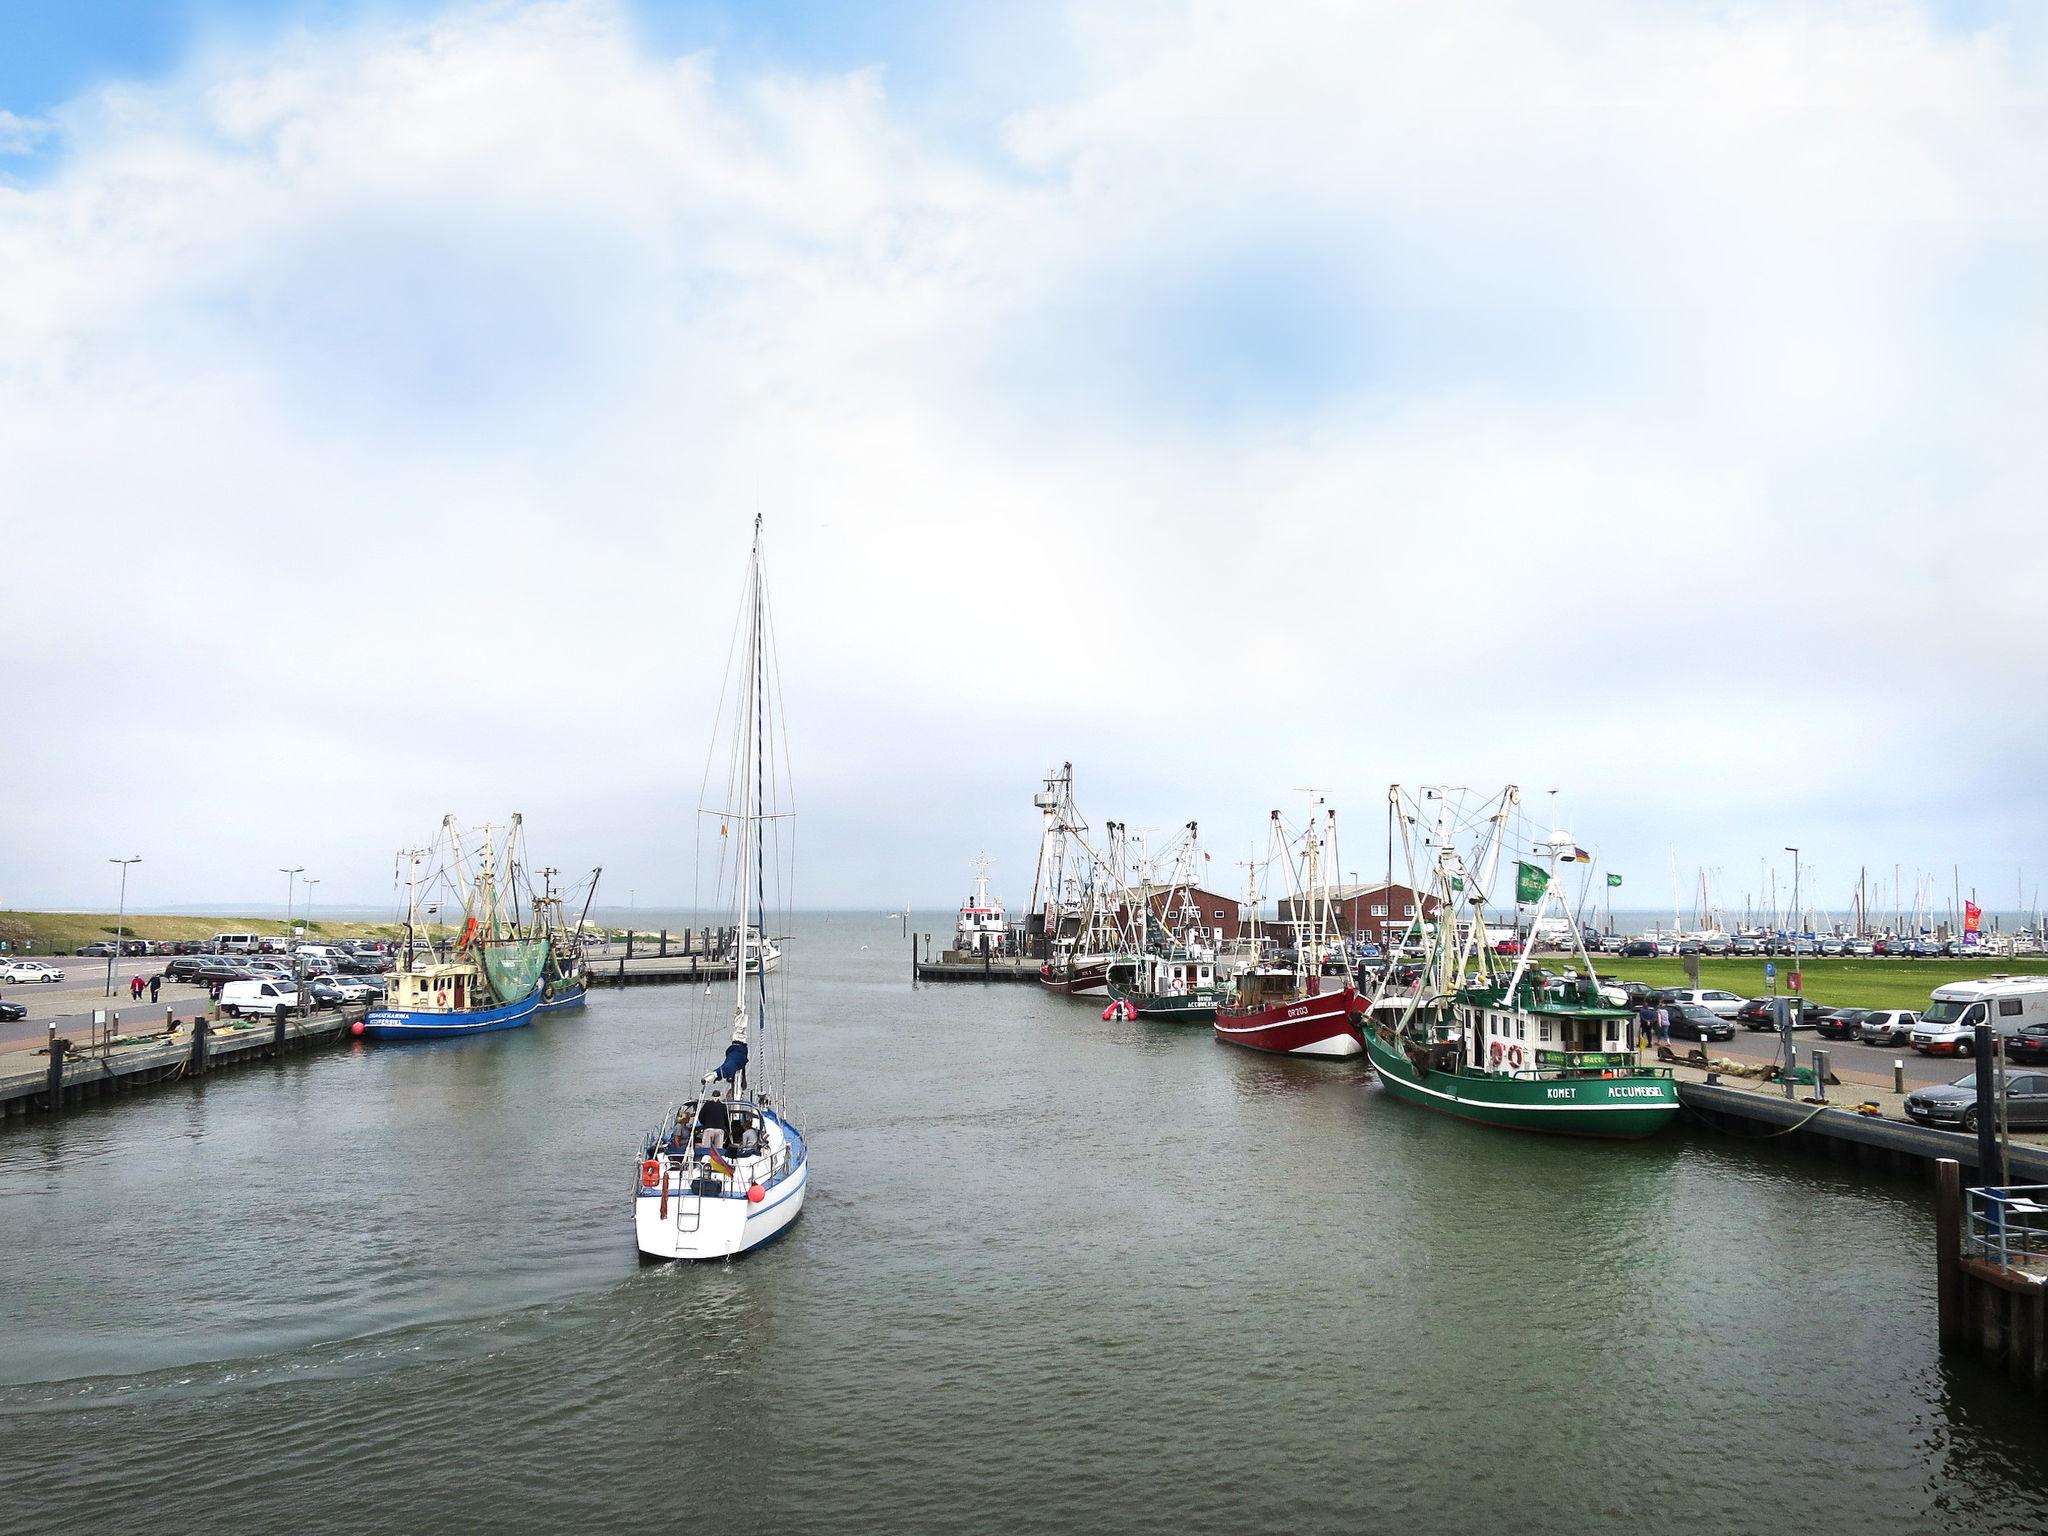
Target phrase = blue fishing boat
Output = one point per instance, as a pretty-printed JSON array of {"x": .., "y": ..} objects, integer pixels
[{"x": 498, "y": 976}]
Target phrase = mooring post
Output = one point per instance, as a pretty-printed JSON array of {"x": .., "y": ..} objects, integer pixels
[
  {"x": 56, "y": 1083},
  {"x": 988, "y": 963},
  {"x": 913, "y": 962},
  {"x": 629, "y": 942},
  {"x": 664, "y": 945},
  {"x": 200, "y": 1029},
  {"x": 277, "y": 1033},
  {"x": 1990, "y": 1165},
  {"x": 1948, "y": 1251},
  {"x": 1898, "y": 1074}
]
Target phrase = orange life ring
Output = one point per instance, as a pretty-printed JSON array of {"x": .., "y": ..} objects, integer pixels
[
  {"x": 1515, "y": 1056},
  {"x": 650, "y": 1173},
  {"x": 1494, "y": 1054}
]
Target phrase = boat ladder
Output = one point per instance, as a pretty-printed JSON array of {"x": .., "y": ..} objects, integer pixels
[{"x": 689, "y": 1211}]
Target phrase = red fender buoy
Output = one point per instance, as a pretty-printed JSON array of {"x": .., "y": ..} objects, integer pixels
[
  {"x": 1111, "y": 1011},
  {"x": 756, "y": 1193}
]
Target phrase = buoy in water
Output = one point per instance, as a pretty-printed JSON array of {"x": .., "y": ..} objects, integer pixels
[
  {"x": 356, "y": 1028},
  {"x": 1114, "y": 1010}
]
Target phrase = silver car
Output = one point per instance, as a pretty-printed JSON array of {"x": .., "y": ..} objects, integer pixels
[
  {"x": 1955, "y": 1104},
  {"x": 1887, "y": 1026}
]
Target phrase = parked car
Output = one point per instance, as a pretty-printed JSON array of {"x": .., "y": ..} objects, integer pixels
[
  {"x": 187, "y": 967},
  {"x": 29, "y": 970},
  {"x": 1746, "y": 946},
  {"x": 262, "y": 997},
  {"x": 1859, "y": 947},
  {"x": 345, "y": 989},
  {"x": 1508, "y": 947},
  {"x": 2029, "y": 1044},
  {"x": 1638, "y": 949},
  {"x": 190, "y": 947},
  {"x": 1720, "y": 1004},
  {"x": 1689, "y": 1022},
  {"x": 220, "y": 971},
  {"x": 10, "y": 1012},
  {"x": 1840, "y": 1023},
  {"x": 1828, "y": 946},
  {"x": 2026, "y": 1102},
  {"x": 1719, "y": 944},
  {"x": 1756, "y": 1013},
  {"x": 1887, "y": 1026},
  {"x": 98, "y": 948}
]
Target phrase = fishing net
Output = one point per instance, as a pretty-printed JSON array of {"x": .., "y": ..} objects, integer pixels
[{"x": 514, "y": 966}]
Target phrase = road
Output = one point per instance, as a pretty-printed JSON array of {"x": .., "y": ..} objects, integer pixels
[{"x": 1851, "y": 1062}]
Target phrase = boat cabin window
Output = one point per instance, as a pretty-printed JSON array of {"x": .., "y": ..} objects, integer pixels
[{"x": 1543, "y": 1029}]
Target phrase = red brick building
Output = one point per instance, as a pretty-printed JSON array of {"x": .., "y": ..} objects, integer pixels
[
  {"x": 1377, "y": 912},
  {"x": 1222, "y": 915}
]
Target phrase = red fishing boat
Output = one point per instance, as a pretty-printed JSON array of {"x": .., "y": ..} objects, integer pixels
[{"x": 1302, "y": 1003}]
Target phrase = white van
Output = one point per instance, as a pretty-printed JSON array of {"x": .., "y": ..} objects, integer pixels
[
  {"x": 2009, "y": 1003},
  {"x": 321, "y": 952},
  {"x": 271, "y": 999},
  {"x": 235, "y": 943}
]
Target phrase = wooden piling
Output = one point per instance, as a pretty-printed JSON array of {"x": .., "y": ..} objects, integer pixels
[
  {"x": 56, "y": 1079},
  {"x": 1948, "y": 1251}
]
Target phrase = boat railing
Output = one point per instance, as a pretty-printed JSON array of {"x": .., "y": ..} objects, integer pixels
[{"x": 2008, "y": 1226}]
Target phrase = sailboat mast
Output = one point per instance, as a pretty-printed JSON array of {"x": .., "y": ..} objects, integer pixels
[{"x": 749, "y": 747}]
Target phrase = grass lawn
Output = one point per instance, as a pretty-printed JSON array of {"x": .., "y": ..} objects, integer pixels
[
  {"x": 63, "y": 932},
  {"x": 1839, "y": 982}
]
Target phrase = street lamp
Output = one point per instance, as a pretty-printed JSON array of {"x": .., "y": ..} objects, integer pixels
[
  {"x": 298, "y": 956},
  {"x": 121, "y": 919},
  {"x": 1796, "y": 920},
  {"x": 289, "y": 875}
]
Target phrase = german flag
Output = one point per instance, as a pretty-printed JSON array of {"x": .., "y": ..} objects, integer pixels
[{"x": 718, "y": 1163}]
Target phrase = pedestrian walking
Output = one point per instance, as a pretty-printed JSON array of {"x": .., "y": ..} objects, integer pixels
[
  {"x": 156, "y": 984},
  {"x": 135, "y": 988},
  {"x": 1663, "y": 1025}
]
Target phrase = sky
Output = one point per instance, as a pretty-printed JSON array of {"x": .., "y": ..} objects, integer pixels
[{"x": 1640, "y": 401}]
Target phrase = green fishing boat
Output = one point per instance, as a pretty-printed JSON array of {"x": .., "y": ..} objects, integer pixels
[
  {"x": 1482, "y": 1056},
  {"x": 1523, "y": 1050}
]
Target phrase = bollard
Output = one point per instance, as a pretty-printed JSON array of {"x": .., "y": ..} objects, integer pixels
[
  {"x": 198, "y": 1062},
  {"x": 1898, "y": 1075},
  {"x": 664, "y": 944},
  {"x": 1820, "y": 1074}
]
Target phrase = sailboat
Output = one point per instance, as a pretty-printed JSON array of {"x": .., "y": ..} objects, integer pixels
[
  {"x": 726, "y": 1169},
  {"x": 492, "y": 981},
  {"x": 1302, "y": 1003}
]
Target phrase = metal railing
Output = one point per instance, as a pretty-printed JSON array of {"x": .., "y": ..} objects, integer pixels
[{"x": 2008, "y": 1226}]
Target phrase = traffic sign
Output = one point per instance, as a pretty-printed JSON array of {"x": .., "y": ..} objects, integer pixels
[{"x": 1770, "y": 970}]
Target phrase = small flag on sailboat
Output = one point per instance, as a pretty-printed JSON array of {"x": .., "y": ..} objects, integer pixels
[
  {"x": 1614, "y": 879},
  {"x": 1582, "y": 856},
  {"x": 718, "y": 1162}
]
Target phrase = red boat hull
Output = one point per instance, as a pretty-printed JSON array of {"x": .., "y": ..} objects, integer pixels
[{"x": 1315, "y": 1026}]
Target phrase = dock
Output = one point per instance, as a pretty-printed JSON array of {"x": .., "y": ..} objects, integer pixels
[
  {"x": 66, "y": 1076},
  {"x": 663, "y": 959},
  {"x": 962, "y": 965}
]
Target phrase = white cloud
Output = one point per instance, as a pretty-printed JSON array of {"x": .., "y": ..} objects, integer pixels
[{"x": 440, "y": 367}]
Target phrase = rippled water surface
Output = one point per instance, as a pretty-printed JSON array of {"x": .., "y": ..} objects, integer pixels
[{"x": 1054, "y": 1274}]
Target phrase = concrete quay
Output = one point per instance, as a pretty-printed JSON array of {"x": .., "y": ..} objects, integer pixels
[{"x": 49, "y": 1081}]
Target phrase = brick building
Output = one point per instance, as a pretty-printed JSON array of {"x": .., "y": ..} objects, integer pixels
[{"x": 1376, "y": 913}]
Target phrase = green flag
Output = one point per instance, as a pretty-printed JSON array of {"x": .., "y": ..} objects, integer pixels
[
  {"x": 1614, "y": 879},
  {"x": 1457, "y": 882},
  {"x": 1529, "y": 882}
]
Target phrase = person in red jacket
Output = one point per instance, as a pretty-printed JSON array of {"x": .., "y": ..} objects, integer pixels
[{"x": 135, "y": 988}]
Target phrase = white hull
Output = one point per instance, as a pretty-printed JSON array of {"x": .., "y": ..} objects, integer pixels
[{"x": 674, "y": 1223}]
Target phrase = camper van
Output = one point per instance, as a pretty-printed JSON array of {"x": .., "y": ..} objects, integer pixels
[{"x": 1947, "y": 1025}]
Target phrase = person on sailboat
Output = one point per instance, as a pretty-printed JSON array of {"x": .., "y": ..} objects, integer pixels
[{"x": 713, "y": 1120}]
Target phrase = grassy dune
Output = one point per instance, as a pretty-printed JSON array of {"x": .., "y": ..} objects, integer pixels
[
  {"x": 1839, "y": 982},
  {"x": 62, "y": 932}
]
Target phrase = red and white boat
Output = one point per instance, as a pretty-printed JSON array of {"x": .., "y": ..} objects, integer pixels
[
  {"x": 1078, "y": 976},
  {"x": 1304, "y": 1004},
  {"x": 1320, "y": 1024}
]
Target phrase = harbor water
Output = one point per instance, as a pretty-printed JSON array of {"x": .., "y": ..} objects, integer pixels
[{"x": 1055, "y": 1274}]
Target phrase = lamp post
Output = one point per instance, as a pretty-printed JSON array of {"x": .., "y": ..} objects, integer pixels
[
  {"x": 298, "y": 959},
  {"x": 290, "y": 875},
  {"x": 120, "y": 921},
  {"x": 1796, "y": 919}
]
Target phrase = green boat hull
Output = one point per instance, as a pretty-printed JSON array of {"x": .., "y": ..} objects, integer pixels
[
  {"x": 1195, "y": 1009},
  {"x": 1625, "y": 1107}
]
